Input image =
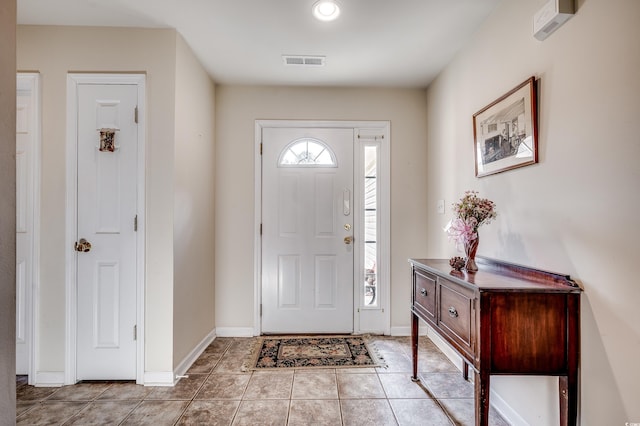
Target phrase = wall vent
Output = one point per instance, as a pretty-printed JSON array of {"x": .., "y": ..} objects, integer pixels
[{"x": 311, "y": 61}]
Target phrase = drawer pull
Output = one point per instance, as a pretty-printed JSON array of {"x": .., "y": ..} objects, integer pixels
[
  {"x": 452, "y": 312},
  {"x": 423, "y": 291}
]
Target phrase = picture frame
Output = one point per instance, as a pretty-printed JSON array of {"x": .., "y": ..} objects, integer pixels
[{"x": 505, "y": 132}]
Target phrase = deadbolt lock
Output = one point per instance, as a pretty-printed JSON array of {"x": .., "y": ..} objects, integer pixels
[
  {"x": 347, "y": 227},
  {"x": 82, "y": 246}
]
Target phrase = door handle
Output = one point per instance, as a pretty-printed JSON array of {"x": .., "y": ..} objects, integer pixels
[
  {"x": 346, "y": 202},
  {"x": 348, "y": 239},
  {"x": 82, "y": 246}
]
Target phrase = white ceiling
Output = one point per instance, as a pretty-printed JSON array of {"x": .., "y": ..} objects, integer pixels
[{"x": 393, "y": 43}]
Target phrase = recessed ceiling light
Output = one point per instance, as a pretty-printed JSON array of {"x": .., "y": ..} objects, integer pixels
[{"x": 326, "y": 10}]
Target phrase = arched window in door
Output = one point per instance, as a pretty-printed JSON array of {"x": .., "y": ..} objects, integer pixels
[{"x": 307, "y": 152}]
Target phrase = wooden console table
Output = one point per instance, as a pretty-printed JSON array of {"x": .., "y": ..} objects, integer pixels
[{"x": 503, "y": 319}]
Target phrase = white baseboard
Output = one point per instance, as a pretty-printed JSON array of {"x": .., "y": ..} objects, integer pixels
[
  {"x": 406, "y": 331},
  {"x": 182, "y": 368},
  {"x": 506, "y": 411},
  {"x": 234, "y": 331},
  {"x": 159, "y": 378},
  {"x": 400, "y": 331},
  {"x": 445, "y": 348},
  {"x": 47, "y": 379}
]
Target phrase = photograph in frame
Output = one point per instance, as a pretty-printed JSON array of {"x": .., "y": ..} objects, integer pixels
[{"x": 506, "y": 132}]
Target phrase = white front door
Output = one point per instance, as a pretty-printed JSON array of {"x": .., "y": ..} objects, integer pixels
[
  {"x": 307, "y": 212},
  {"x": 26, "y": 150},
  {"x": 106, "y": 219}
]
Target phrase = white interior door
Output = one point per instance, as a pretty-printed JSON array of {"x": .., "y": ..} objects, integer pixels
[
  {"x": 26, "y": 150},
  {"x": 307, "y": 212},
  {"x": 106, "y": 219}
]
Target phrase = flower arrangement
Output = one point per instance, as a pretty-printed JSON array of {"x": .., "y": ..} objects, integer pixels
[{"x": 471, "y": 212}]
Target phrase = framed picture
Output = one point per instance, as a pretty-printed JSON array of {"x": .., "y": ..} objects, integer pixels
[{"x": 505, "y": 132}]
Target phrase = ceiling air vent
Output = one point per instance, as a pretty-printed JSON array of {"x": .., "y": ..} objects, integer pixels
[{"x": 311, "y": 61}]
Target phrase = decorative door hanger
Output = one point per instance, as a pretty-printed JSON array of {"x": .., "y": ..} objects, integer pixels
[{"x": 108, "y": 140}]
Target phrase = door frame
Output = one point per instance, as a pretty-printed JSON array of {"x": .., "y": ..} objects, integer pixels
[
  {"x": 379, "y": 127},
  {"x": 73, "y": 82},
  {"x": 30, "y": 81}
]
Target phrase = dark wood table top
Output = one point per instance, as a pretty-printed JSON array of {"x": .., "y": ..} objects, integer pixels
[{"x": 500, "y": 276}]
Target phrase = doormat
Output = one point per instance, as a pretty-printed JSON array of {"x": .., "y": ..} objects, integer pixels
[{"x": 272, "y": 353}]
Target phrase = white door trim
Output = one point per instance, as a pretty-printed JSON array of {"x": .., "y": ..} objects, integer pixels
[
  {"x": 385, "y": 246},
  {"x": 30, "y": 81},
  {"x": 73, "y": 81}
]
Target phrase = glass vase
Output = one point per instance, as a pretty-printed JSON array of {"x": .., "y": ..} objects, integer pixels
[{"x": 470, "y": 249}]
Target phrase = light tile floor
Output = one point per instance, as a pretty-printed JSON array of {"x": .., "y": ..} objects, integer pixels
[{"x": 217, "y": 392}]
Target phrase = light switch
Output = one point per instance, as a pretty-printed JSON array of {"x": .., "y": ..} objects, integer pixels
[{"x": 441, "y": 206}]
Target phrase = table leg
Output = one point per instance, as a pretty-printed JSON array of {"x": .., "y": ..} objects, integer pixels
[
  {"x": 568, "y": 385},
  {"x": 568, "y": 392},
  {"x": 414, "y": 346},
  {"x": 481, "y": 386}
]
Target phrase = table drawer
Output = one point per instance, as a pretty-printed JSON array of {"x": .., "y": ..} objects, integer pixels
[
  {"x": 456, "y": 313},
  {"x": 425, "y": 294}
]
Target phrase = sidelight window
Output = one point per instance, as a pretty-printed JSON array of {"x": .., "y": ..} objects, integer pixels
[{"x": 370, "y": 225}]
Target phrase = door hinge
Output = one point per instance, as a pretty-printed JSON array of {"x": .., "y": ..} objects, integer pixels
[
  {"x": 135, "y": 332},
  {"x": 135, "y": 224},
  {"x": 260, "y": 229},
  {"x": 260, "y": 148},
  {"x": 135, "y": 114},
  {"x": 261, "y": 309}
]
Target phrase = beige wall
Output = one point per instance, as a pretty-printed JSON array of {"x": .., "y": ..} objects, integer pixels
[
  {"x": 576, "y": 211},
  {"x": 238, "y": 108},
  {"x": 54, "y": 51},
  {"x": 7, "y": 212},
  {"x": 193, "y": 246}
]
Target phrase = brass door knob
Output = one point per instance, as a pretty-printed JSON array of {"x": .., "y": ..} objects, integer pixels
[
  {"x": 83, "y": 246},
  {"x": 348, "y": 239}
]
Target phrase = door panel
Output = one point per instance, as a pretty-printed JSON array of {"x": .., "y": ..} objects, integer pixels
[
  {"x": 25, "y": 198},
  {"x": 106, "y": 200},
  {"x": 288, "y": 282},
  {"x": 326, "y": 282},
  {"x": 307, "y": 269},
  {"x": 324, "y": 206},
  {"x": 106, "y": 306}
]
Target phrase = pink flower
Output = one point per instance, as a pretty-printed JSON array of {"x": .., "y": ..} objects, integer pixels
[
  {"x": 470, "y": 212},
  {"x": 461, "y": 231}
]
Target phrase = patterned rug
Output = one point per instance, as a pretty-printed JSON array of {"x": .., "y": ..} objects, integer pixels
[{"x": 312, "y": 352}]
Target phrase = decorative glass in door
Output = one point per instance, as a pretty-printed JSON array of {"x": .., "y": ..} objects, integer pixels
[{"x": 370, "y": 225}]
